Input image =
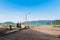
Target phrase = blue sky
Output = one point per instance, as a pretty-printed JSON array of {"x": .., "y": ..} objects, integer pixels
[{"x": 15, "y": 10}]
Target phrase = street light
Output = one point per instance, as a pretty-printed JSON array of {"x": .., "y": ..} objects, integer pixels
[{"x": 26, "y": 18}]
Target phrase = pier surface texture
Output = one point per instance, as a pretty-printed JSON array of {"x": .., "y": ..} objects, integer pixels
[{"x": 29, "y": 34}]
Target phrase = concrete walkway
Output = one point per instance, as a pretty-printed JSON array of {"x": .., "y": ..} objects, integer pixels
[{"x": 28, "y": 34}]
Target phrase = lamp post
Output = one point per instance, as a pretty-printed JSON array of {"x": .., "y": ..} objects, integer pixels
[{"x": 26, "y": 18}]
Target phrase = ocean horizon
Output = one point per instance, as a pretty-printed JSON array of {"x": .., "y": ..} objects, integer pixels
[
  {"x": 31, "y": 23},
  {"x": 38, "y": 22}
]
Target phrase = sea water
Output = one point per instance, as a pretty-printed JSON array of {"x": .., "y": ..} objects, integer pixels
[{"x": 39, "y": 22}]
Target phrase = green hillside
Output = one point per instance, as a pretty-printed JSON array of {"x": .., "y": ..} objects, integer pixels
[
  {"x": 55, "y": 22},
  {"x": 8, "y": 23}
]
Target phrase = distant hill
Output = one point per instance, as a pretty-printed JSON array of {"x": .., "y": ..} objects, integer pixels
[
  {"x": 8, "y": 23},
  {"x": 41, "y": 22},
  {"x": 0, "y": 23},
  {"x": 55, "y": 22}
]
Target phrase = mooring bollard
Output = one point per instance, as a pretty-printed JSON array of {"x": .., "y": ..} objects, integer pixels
[{"x": 10, "y": 27}]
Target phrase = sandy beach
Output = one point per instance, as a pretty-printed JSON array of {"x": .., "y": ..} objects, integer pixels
[{"x": 35, "y": 33}]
